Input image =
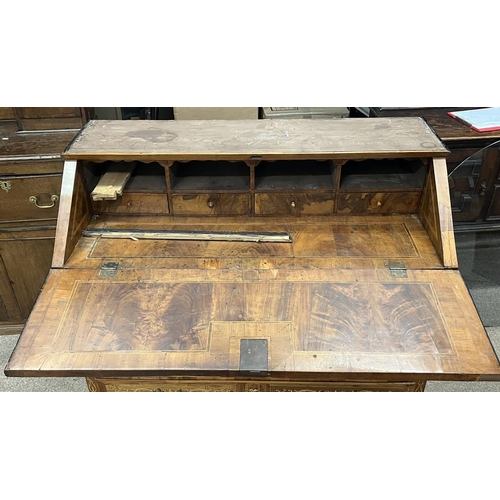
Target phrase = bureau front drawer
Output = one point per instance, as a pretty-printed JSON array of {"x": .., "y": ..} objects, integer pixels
[
  {"x": 294, "y": 203},
  {"x": 379, "y": 203},
  {"x": 211, "y": 204},
  {"x": 29, "y": 197}
]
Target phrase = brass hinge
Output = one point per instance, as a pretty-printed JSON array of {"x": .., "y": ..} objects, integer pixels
[
  {"x": 397, "y": 269},
  {"x": 108, "y": 270}
]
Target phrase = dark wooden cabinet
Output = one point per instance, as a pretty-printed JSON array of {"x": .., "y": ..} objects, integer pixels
[
  {"x": 25, "y": 257},
  {"x": 31, "y": 169},
  {"x": 40, "y": 118},
  {"x": 292, "y": 255},
  {"x": 473, "y": 185}
]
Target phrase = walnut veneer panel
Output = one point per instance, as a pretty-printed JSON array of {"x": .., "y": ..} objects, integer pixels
[
  {"x": 133, "y": 203},
  {"x": 320, "y": 242},
  {"x": 246, "y": 139},
  {"x": 379, "y": 203},
  {"x": 321, "y": 322},
  {"x": 294, "y": 203},
  {"x": 209, "y": 204}
]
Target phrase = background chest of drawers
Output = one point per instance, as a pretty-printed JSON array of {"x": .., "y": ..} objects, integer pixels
[
  {"x": 38, "y": 118},
  {"x": 30, "y": 182}
]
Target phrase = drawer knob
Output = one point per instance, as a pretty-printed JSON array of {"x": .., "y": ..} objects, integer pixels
[
  {"x": 292, "y": 204},
  {"x": 211, "y": 204},
  {"x": 379, "y": 204},
  {"x": 54, "y": 198}
]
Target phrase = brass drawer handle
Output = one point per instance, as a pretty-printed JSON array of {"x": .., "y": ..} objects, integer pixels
[
  {"x": 54, "y": 198},
  {"x": 211, "y": 204}
]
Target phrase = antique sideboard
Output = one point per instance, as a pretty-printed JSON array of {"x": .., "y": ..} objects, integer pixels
[
  {"x": 255, "y": 255},
  {"x": 30, "y": 181}
]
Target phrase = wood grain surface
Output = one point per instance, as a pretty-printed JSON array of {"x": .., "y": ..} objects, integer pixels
[
  {"x": 74, "y": 214},
  {"x": 15, "y": 203},
  {"x": 294, "y": 203},
  {"x": 435, "y": 213},
  {"x": 52, "y": 112},
  {"x": 133, "y": 203},
  {"x": 211, "y": 204},
  {"x": 50, "y": 118},
  {"x": 246, "y": 139},
  {"x": 326, "y": 305},
  {"x": 7, "y": 114},
  {"x": 342, "y": 241},
  {"x": 27, "y": 261},
  {"x": 241, "y": 384},
  {"x": 379, "y": 203},
  {"x": 34, "y": 167},
  {"x": 41, "y": 143},
  {"x": 160, "y": 322},
  {"x": 25, "y": 257}
]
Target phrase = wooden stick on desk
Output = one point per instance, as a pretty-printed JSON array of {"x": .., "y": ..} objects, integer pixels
[
  {"x": 191, "y": 235},
  {"x": 113, "y": 182}
]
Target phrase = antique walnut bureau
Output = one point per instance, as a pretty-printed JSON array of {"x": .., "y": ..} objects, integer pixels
[{"x": 301, "y": 255}]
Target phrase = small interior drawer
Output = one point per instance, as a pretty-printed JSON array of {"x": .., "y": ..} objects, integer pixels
[
  {"x": 29, "y": 197},
  {"x": 134, "y": 203},
  {"x": 294, "y": 203},
  {"x": 211, "y": 204},
  {"x": 379, "y": 203}
]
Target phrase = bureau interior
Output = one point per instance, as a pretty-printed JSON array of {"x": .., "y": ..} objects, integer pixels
[
  {"x": 295, "y": 175},
  {"x": 396, "y": 174},
  {"x": 192, "y": 176},
  {"x": 356, "y": 186},
  {"x": 369, "y": 200},
  {"x": 145, "y": 177}
]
